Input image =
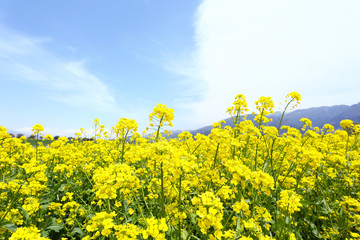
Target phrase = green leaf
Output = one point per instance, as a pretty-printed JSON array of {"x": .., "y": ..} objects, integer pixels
[
  {"x": 26, "y": 214},
  {"x": 238, "y": 229},
  {"x": 77, "y": 230},
  {"x": 193, "y": 218},
  {"x": 55, "y": 228},
  {"x": 306, "y": 203},
  {"x": 3, "y": 222},
  {"x": 61, "y": 189},
  {"x": 11, "y": 227},
  {"x": 314, "y": 228},
  {"x": 45, "y": 234},
  {"x": 185, "y": 234},
  {"x": 266, "y": 164},
  {"x": 298, "y": 236},
  {"x": 287, "y": 219}
]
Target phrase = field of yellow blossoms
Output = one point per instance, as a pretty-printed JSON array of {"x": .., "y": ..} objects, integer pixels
[{"x": 248, "y": 182}]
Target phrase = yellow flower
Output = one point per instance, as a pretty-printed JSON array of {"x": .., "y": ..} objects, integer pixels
[
  {"x": 307, "y": 122},
  {"x": 289, "y": 201},
  {"x": 48, "y": 137},
  {"x": 239, "y": 105},
  {"x": 31, "y": 205},
  {"x": 128, "y": 231},
  {"x": 118, "y": 204},
  {"x": 131, "y": 211},
  {"x": 328, "y": 128},
  {"x": 102, "y": 221},
  {"x": 245, "y": 238},
  {"x": 162, "y": 114},
  {"x": 155, "y": 228},
  {"x": 292, "y": 236},
  {"x": 242, "y": 206},
  {"x": 347, "y": 123},
  {"x": 27, "y": 233},
  {"x": 265, "y": 105},
  {"x": 209, "y": 211},
  {"x": 37, "y": 128},
  {"x": 3, "y": 133},
  {"x": 262, "y": 212},
  {"x": 124, "y": 127},
  {"x": 294, "y": 95}
]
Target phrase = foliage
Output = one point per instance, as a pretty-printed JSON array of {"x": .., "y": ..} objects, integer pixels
[{"x": 246, "y": 182}]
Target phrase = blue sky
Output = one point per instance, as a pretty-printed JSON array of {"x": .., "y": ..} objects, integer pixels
[{"x": 64, "y": 63}]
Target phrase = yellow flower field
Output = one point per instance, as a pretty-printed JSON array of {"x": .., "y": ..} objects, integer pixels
[{"x": 248, "y": 182}]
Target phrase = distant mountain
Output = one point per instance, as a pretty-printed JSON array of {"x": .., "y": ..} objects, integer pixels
[{"x": 318, "y": 115}]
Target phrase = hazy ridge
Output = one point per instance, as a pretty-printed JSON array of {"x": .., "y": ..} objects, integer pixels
[{"x": 318, "y": 115}]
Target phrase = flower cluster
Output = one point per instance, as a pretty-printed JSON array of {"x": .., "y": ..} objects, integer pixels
[
  {"x": 163, "y": 114},
  {"x": 37, "y": 128},
  {"x": 102, "y": 224},
  {"x": 289, "y": 201},
  {"x": 209, "y": 212},
  {"x": 27, "y": 233}
]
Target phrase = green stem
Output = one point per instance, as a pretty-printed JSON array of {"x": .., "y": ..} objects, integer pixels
[
  {"x": 231, "y": 215},
  {"x": 156, "y": 140},
  {"x": 158, "y": 129},
  {"x": 123, "y": 146},
  {"x": 347, "y": 144},
  {"x": 236, "y": 122},
  {"x": 36, "y": 145},
  {"x": 273, "y": 142},
  {"x": 12, "y": 203},
  {"x": 257, "y": 144},
  {"x": 179, "y": 207},
  {"x": 146, "y": 206},
  {"x": 162, "y": 191},
  {"x": 216, "y": 153},
  {"x": 139, "y": 206},
  {"x": 124, "y": 209},
  {"x": 282, "y": 116},
  {"x": 108, "y": 205},
  {"x": 196, "y": 148},
  {"x": 76, "y": 193},
  {"x": 83, "y": 170}
]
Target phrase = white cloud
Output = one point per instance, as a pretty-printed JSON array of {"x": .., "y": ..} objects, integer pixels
[
  {"x": 272, "y": 47},
  {"x": 25, "y": 59}
]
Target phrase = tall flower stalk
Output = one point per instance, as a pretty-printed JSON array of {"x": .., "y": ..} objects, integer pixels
[{"x": 161, "y": 116}]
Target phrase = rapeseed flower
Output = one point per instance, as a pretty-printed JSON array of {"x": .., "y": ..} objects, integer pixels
[
  {"x": 163, "y": 114},
  {"x": 243, "y": 207},
  {"x": 265, "y": 105},
  {"x": 289, "y": 201},
  {"x": 37, "y": 128},
  {"x": 31, "y": 205},
  {"x": 346, "y": 124},
  {"x": 102, "y": 222},
  {"x": 27, "y": 233}
]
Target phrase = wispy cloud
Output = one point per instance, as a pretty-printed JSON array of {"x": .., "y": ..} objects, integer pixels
[
  {"x": 270, "y": 48},
  {"x": 25, "y": 59}
]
